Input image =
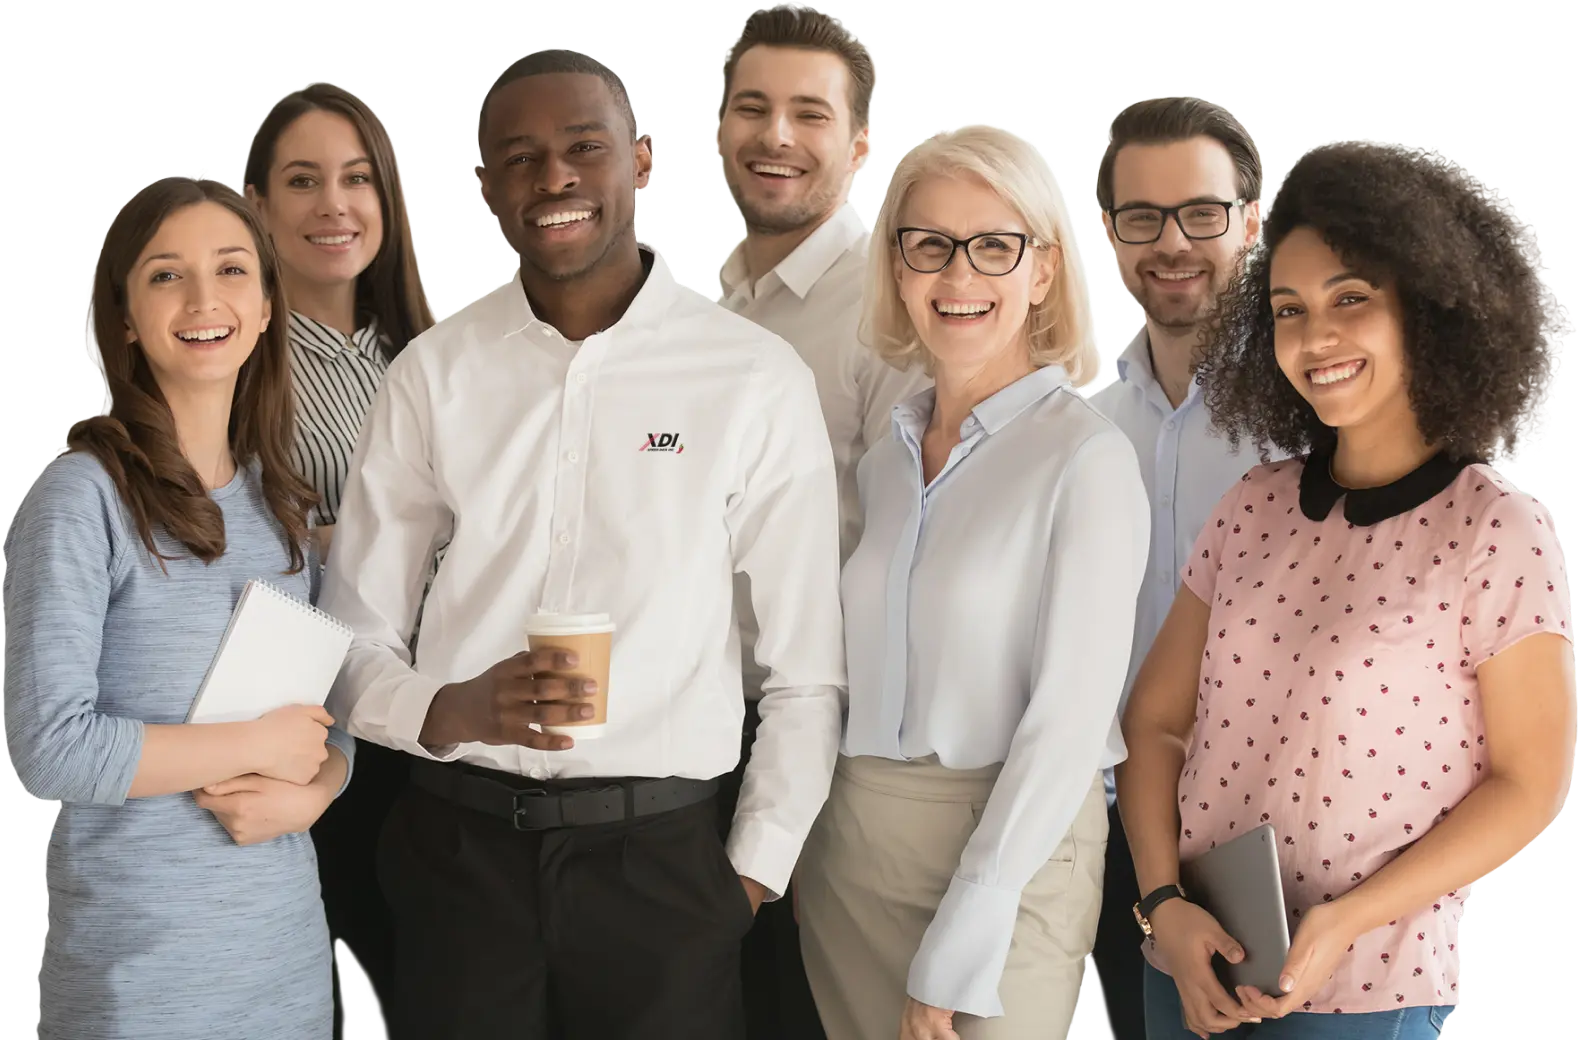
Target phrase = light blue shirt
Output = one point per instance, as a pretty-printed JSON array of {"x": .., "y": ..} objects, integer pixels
[
  {"x": 1187, "y": 467},
  {"x": 986, "y": 620}
]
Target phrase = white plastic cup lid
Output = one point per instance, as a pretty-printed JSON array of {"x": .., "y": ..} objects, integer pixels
[{"x": 568, "y": 624}]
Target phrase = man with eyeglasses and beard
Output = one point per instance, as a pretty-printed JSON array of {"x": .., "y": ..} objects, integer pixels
[
  {"x": 588, "y": 439},
  {"x": 792, "y": 133},
  {"x": 1179, "y": 189}
]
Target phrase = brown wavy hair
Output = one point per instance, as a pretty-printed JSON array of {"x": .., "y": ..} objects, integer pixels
[
  {"x": 390, "y": 290},
  {"x": 1478, "y": 324},
  {"x": 136, "y": 442}
]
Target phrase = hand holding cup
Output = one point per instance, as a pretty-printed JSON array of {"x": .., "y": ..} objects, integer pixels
[{"x": 501, "y": 705}]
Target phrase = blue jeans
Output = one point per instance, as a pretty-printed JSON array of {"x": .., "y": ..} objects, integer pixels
[{"x": 1164, "y": 1020}]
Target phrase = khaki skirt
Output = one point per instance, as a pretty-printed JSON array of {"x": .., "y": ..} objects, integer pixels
[{"x": 874, "y": 870}]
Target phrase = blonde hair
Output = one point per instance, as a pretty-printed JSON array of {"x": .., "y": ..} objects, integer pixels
[{"x": 1060, "y": 325}]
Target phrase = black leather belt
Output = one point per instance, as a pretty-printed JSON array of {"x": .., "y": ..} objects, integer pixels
[{"x": 531, "y": 806}]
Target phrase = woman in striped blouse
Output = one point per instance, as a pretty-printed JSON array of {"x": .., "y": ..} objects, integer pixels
[{"x": 322, "y": 175}]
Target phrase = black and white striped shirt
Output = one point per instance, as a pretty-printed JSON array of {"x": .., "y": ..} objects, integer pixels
[{"x": 335, "y": 379}]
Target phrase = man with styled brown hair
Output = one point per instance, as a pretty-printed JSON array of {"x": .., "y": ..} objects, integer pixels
[
  {"x": 1179, "y": 189},
  {"x": 792, "y": 132}
]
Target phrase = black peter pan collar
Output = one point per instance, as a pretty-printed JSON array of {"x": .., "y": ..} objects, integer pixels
[{"x": 1318, "y": 492}]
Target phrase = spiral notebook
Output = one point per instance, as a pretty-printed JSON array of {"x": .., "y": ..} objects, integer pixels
[{"x": 278, "y": 650}]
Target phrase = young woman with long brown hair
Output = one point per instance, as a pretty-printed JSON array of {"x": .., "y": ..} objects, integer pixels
[
  {"x": 183, "y": 890},
  {"x": 322, "y": 175}
]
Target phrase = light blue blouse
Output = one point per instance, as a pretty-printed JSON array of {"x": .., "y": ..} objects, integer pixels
[
  {"x": 988, "y": 619},
  {"x": 1187, "y": 466}
]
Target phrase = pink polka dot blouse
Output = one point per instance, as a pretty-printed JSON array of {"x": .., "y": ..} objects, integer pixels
[{"x": 1338, "y": 698}]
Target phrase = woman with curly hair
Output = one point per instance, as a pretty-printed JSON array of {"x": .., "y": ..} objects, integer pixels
[{"x": 1371, "y": 650}]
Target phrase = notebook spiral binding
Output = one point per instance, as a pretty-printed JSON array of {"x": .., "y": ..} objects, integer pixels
[{"x": 279, "y": 593}]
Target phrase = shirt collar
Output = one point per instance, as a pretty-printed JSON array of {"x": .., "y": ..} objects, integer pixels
[
  {"x": 314, "y": 335},
  {"x": 992, "y": 414},
  {"x": 1136, "y": 368},
  {"x": 1134, "y": 364},
  {"x": 811, "y": 259},
  {"x": 1364, "y": 507},
  {"x": 647, "y": 309}
]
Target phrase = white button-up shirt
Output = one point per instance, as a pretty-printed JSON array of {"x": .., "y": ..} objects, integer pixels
[
  {"x": 1187, "y": 466},
  {"x": 987, "y": 620},
  {"x": 813, "y": 300},
  {"x": 633, "y": 474}
]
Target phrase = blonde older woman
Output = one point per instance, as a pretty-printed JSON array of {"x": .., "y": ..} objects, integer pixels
[{"x": 952, "y": 884}]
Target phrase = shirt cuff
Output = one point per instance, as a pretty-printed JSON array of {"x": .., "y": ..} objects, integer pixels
[
  {"x": 346, "y": 744},
  {"x": 763, "y": 853},
  {"x": 408, "y": 714},
  {"x": 961, "y": 958}
]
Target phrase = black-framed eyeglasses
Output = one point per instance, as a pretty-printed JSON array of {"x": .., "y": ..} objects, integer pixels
[
  {"x": 992, "y": 253},
  {"x": 1142, "y": 225}
]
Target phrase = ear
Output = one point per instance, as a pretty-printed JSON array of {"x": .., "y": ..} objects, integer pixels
[
  {"x": 720, "y": 137},
  {"x": 1251, "y": 223},
  {"x": 131, "y": 333},
  {"x": 860, "y": 148},
  {"x": 1112, "y": 238},
  {"x": 482, "y": 179},
  {"x": 643, "y": 153},
  {"x": 254, "y": 198},
  {"x": 268, "y": 313},
  {"x": 1044, "y": 274}
]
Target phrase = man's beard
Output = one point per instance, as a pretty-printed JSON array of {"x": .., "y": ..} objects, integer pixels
[
  {"x": 1173, "y": 316},
  {"x": 786, "y": 218}
]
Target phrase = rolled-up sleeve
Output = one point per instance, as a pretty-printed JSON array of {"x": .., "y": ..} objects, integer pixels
[
  {"x": 338, "y": 738},
  {"x": 1094, "y": 567},
  {"x": 62, "y": 555},
  {"x": 783, "y": 528},
  {"x": 391, "y": 521}
]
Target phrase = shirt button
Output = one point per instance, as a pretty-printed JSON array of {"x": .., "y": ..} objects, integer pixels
[
  {"x": 546, "y": 331},
  {"x": 1172, "y": 424},
  {"x": 572, "y": 456},
  {"x": 1167, "y": 500},
  {"x": 564, "y": 539},
  {"x": 580, "y": 379}
]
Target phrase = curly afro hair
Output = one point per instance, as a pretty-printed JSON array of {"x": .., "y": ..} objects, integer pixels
[{"x": 1479, "y": 326}]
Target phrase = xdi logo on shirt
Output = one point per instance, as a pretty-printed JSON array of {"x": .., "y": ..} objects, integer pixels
[{"x": 663, "y": 442}]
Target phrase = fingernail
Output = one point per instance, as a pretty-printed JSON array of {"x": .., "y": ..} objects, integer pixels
[
  {"x": 1286, "y": 982},
  {"x": 589, "y": 687},
  {"x": 584, "y": 711}
]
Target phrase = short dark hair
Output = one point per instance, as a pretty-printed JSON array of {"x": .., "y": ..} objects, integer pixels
[
  {"x": 809, "y": 30},
  {"x": 1166, "y": 120},
  {"x": 1478, "y": 325},
  {"x": 543, "y": 63}
]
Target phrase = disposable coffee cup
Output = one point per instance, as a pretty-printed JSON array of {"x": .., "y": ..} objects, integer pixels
[{"x": 590, "y": 638}]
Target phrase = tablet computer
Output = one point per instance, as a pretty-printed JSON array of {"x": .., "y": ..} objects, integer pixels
[{"x": 1240, "y": 884}]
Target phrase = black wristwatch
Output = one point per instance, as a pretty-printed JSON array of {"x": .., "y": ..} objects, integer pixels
[{"x": 1147, "y": 906}]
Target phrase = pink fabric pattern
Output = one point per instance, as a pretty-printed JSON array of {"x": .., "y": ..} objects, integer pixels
[{"x": 1338, "y": 698}]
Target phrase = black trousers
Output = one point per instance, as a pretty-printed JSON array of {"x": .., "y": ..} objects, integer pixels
[
  {"x": 1119, "y": 962},
  {"x": 346, "y": 838},
  {"x": 778, "y": 1002},
  {"x": 619, "y": 931}
]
